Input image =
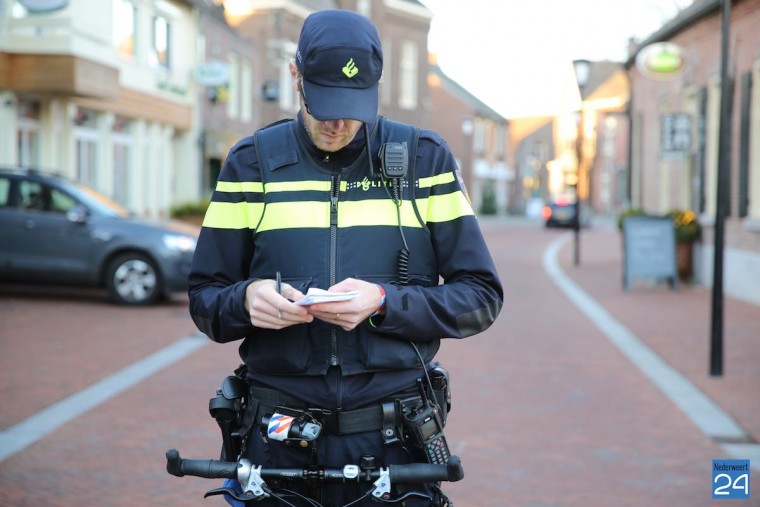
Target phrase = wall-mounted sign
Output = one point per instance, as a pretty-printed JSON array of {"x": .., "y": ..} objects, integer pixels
[
  {"x": 675, "y": 135},
  {"x": 661, "y": 60},
  {"x": 212, "y": 73},
  {"x": 43, "y": 5},
  {"x": 173, "y": 88}
]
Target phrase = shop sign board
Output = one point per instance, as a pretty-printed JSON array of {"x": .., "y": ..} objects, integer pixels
[{"x": 649, "y": 245}]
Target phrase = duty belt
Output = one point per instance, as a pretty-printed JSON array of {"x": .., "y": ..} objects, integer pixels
[{"x": 375, "y": 417}]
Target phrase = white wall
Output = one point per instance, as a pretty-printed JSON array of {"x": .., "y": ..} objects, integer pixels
[{"x": 741, "y": 271}]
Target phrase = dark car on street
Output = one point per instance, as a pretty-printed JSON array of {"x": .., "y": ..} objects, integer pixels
[
  {"x": 561, "y": 212},
  {"x": 59, "y": 232}
]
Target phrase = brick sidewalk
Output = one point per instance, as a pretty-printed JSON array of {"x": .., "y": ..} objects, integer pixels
[
  {"x": 547, "y": 411},
  {"x": 676, "y": 324}
]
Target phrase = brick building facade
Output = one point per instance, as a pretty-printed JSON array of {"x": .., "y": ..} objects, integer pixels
[{"x": 669, "y": 175}]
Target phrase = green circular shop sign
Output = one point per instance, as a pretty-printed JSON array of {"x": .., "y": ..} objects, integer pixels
[{"x": 662, "y": 60}]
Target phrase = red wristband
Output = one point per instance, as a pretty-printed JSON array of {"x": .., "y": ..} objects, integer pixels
[{"x": 382, "y": 301}]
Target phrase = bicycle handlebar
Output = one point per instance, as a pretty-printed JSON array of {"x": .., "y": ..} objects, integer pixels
[
  {"x": 206, "y": 468},
  {"x": 414, "y": 473}
]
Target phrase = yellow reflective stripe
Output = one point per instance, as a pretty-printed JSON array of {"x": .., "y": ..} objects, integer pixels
[
  {"x": 239, "y": 186},
  {"x": 290, "y": 215},
  {"x": 233, "y": 215},
  {"x": 316, "y": 214},
  {"x": 442, "y": 208},
  {"x": 375, "y": 212},
  {"x": 279, "y": 186},
  {"x": 438, "y": 179},
  {"x": 313, "y": 214},
  {"x": 296, "y": 186}
]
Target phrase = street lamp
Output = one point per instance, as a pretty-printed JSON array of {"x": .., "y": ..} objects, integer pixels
[{"x": 582, "y": 71}]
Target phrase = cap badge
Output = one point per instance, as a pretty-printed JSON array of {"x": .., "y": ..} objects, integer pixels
[{"x": 350, "y": 69}]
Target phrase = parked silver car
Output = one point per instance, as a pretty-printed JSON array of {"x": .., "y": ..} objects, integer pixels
[{"x": 59, "y": 232}]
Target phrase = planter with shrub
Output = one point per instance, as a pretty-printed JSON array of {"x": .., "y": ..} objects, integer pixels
[
  {"x": 192, "y": 212},
  {"x": 687, "y": 230}
]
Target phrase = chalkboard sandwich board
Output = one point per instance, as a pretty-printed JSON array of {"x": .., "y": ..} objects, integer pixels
[{"x": 649, "y": 245}]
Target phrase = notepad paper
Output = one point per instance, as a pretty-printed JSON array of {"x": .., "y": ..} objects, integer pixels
[{"x": 314, "y": 295}]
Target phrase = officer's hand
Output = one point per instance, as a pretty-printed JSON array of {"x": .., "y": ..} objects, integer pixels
[
  {"x": 271, "y": 310},
  {"x": 351, "y": 313}
]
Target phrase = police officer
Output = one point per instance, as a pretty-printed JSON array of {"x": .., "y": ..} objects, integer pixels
[{"x": 344, "y": 200}]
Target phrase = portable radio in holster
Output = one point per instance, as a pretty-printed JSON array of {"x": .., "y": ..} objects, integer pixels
[
  {"x": 423, "y": 428},
  {"x": 439, "y": 383}
]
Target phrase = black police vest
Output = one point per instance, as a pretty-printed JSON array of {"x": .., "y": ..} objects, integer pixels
[{"x": 319, "y": 227}]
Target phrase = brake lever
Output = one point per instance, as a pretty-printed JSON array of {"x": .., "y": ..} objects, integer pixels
[
  {"x": 382, "y": 486},
  {"x": 381, "y": 490},
  {"x": 255, "y": 488},
  {"x": 226, "y": 491}
]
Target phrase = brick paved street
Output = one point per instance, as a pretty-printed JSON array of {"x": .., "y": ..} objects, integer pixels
[{"x": 546, "y": 411}]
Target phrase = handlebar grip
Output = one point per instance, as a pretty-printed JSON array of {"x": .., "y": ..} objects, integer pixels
[
  {"x": 206, "y": 468},
  {"x": 427, "y": 472},
  {"x": 454, "y": 468}
]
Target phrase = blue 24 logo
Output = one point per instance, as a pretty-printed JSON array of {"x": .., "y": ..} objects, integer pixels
[{"x": 730, "y": 478}]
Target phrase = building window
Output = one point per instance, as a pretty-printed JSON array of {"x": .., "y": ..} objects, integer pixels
[
  {"x": 246, "y": 91},
  {"x": 386, "y": 79},
  {"x": 498, "y": 147},
  {"x": 86, "y": 136},
  {"x": 161, "y": 42},
  {"x": 712, "y": 118},
  {"x": 28, "y": 134},
  {"x": 233, "y": 99},
  {"x": 700, "y": 156},
  {"x": 408, "y": 76},
  {"x": 753, "y": 128},
  {"x": 479, "y": 137},
  {"x": 125, "y": 28},
  {"x": 122, "y": 151},
  {"x": 744, "y": 137},
  {"x": 288, "y": 95},
  {"x": 364, "y": 7}
]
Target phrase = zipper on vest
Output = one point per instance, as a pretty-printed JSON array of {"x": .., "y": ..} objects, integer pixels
[{"x": 334, "y": 192}]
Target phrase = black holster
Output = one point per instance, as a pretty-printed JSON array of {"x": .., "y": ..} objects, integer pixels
[{"x": 228, "y": 407}]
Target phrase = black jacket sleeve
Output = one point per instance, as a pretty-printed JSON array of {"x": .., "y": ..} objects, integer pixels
[{"x": 219, "y": 274}]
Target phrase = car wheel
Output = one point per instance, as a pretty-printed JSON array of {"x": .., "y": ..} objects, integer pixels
[{"x": 133, "y": 279}]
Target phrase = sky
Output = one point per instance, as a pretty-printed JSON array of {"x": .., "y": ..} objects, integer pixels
[{"x": 507, "y": 52}]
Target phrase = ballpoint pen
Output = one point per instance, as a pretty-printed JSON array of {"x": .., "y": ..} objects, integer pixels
[{"x": 278, "y": 286}]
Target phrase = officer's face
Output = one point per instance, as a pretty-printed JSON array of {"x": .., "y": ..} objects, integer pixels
[{"x": 330, "y": 135}]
